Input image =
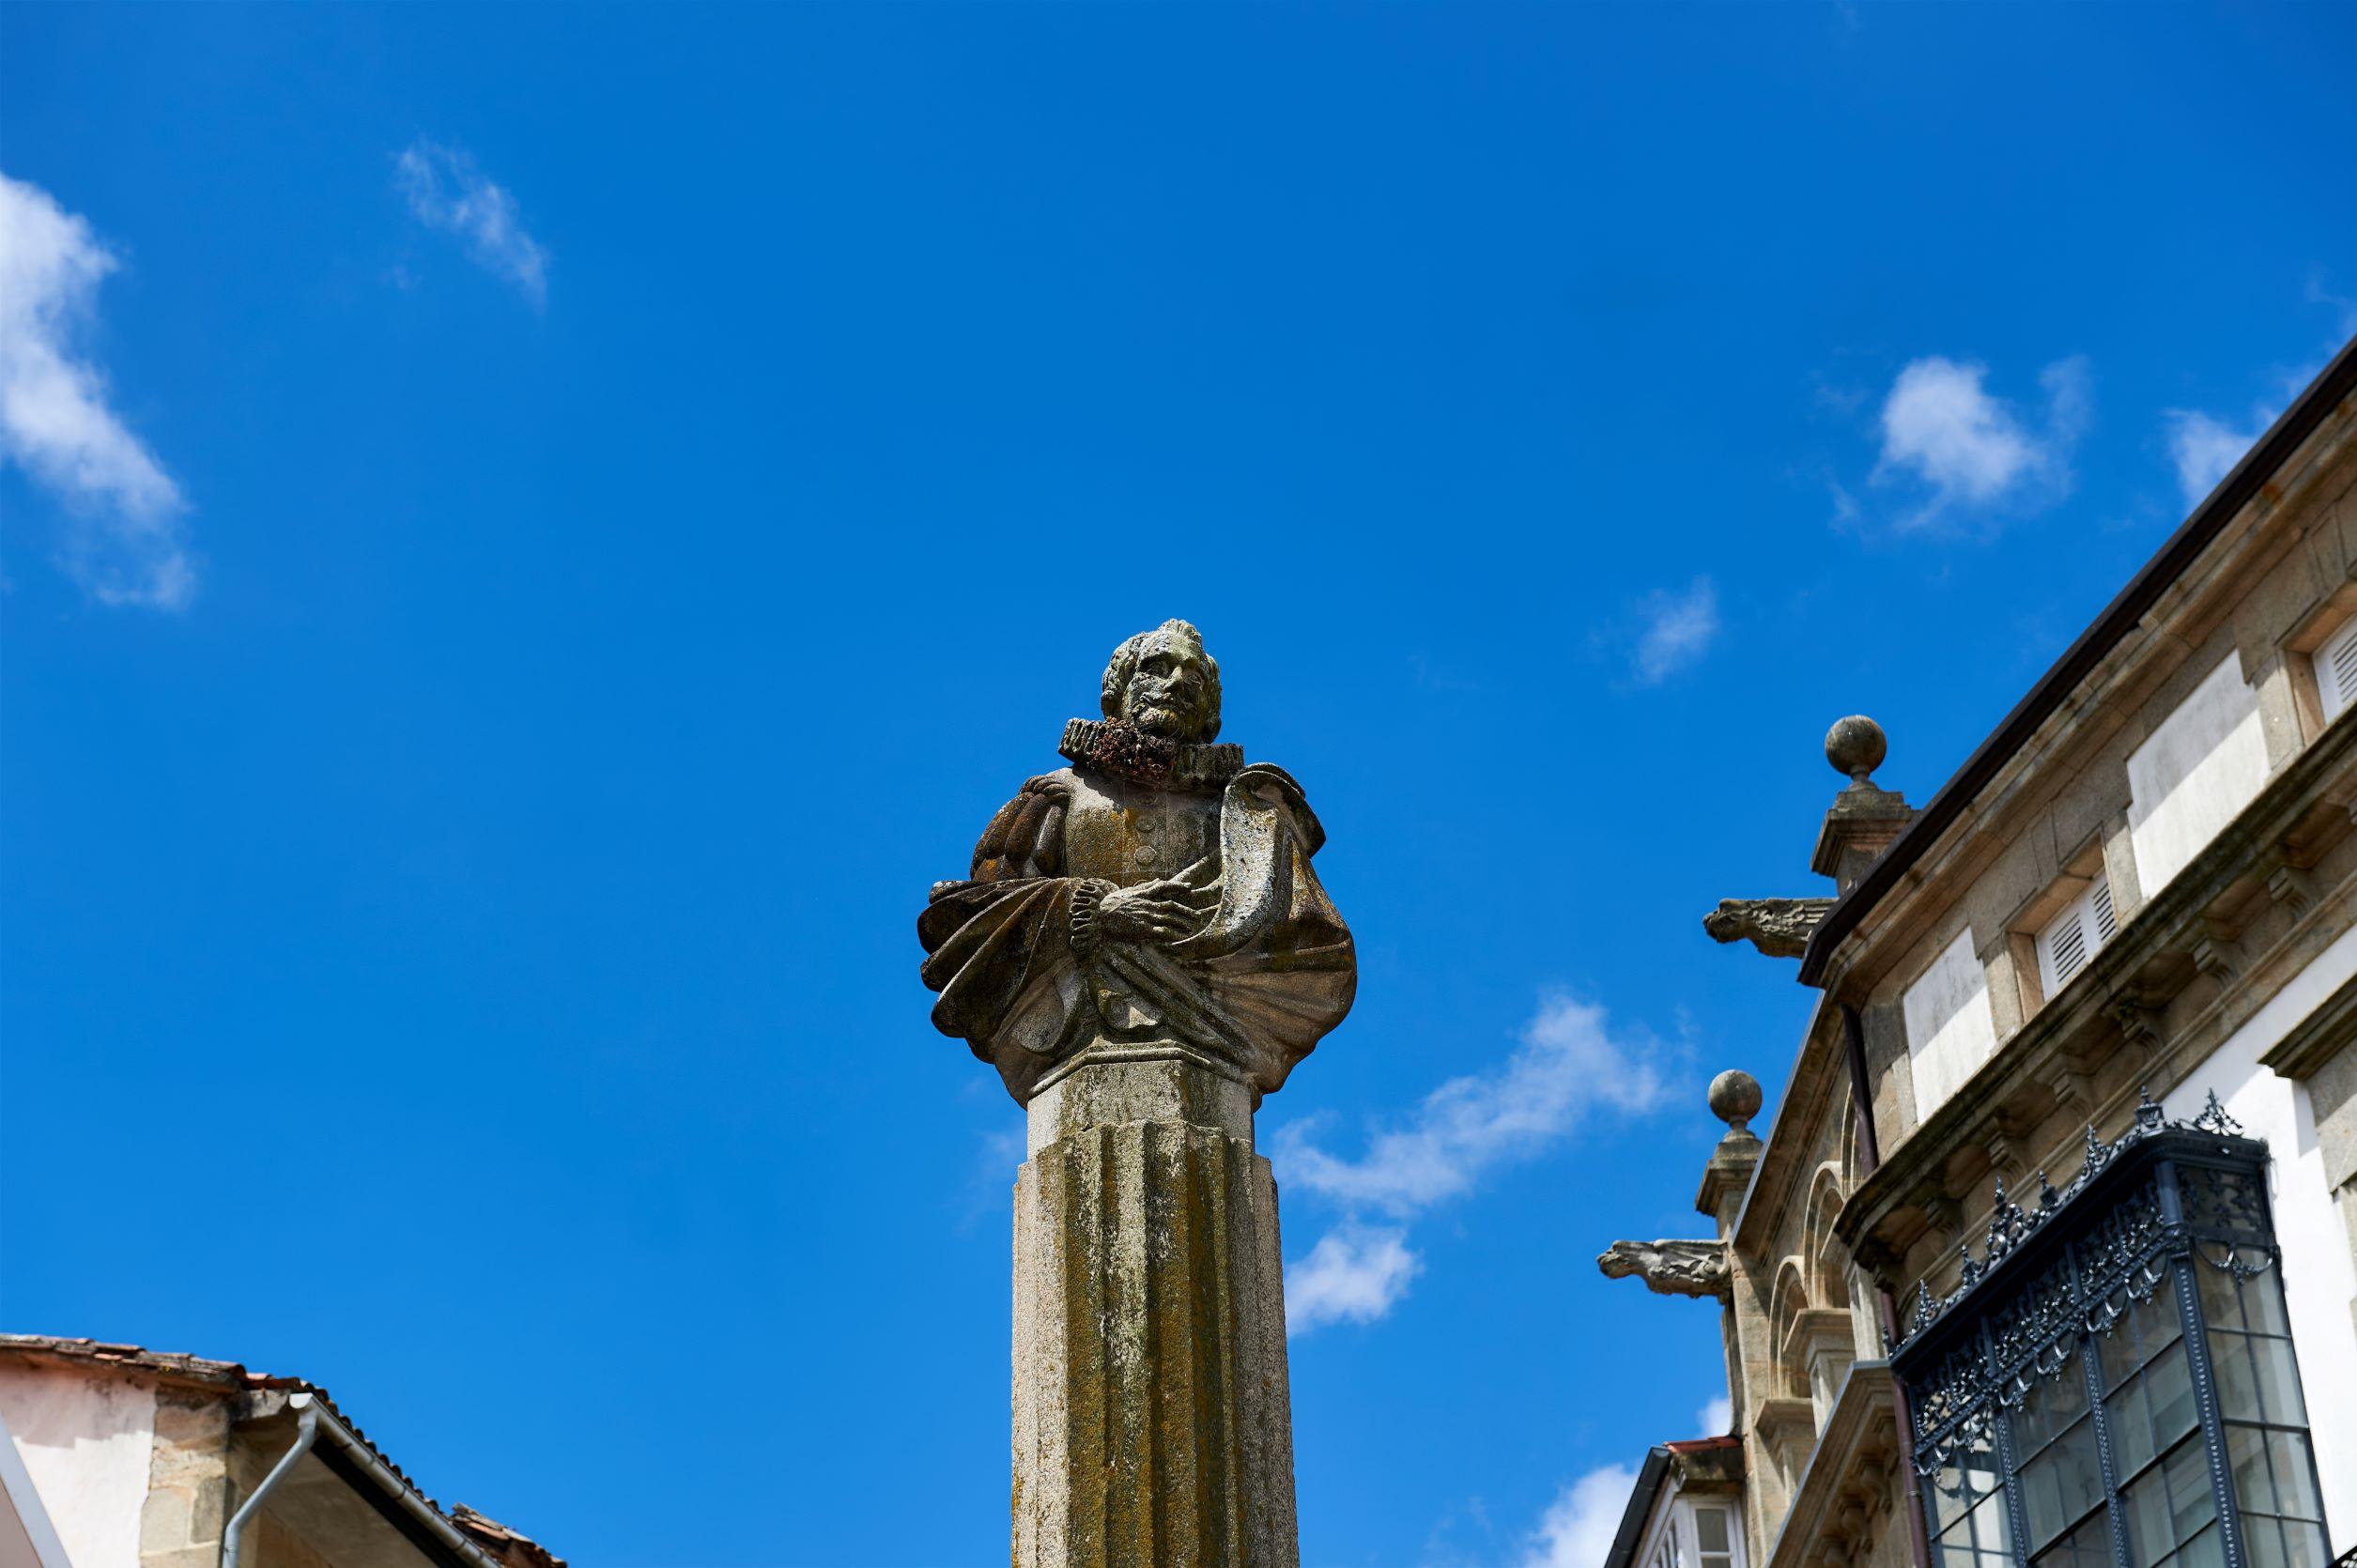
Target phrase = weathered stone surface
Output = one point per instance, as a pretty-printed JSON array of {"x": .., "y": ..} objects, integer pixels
[
  {"x": 187, "y": 1478},
  {"x": 1777, "y": 927},
  {"x": 1152, "y": 1419},
  {"x": 1143, "y": 950},
  {"x": 1155, "y": 899},
  {"x": 1671, "y": 1268}
]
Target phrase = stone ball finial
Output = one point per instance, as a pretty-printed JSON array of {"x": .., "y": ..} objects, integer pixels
[
  {"x": 1735, "y": 1099},
  {"x": 1856, "y": 745}
]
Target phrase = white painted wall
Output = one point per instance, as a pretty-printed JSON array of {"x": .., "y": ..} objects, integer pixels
[
  {"x": 2319, "y": 1277},
  {"x": 27, "y": 1539},
  {"x": 2194, "y": 774},
  {"x": 85, "y": 1440},
  {"x": 1950, "y": 1031}
]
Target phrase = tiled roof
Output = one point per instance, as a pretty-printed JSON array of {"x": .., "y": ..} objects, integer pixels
[{"x": 506, "y": 1545}]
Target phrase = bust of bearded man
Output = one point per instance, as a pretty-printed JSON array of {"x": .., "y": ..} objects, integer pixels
[{"x": 1155, "y": 899}]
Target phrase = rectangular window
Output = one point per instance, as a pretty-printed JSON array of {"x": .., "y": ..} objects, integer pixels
[
  {"x": 2195, "y": 774},
  {"x": 1950, "y": 1031},
  {"x": 2126, "y": 1393},
  {"x": 1714, "y": 1537},
  {"x": 2076, "y": 936},
  {"x": 2336, "y": 671}
]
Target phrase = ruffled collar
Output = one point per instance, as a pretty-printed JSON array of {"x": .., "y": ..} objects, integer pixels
[{"x": 1128, "y": 752}]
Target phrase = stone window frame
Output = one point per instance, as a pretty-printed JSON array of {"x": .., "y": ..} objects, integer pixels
[
  {"x": 2298, "y": 653},
  {"x": 2149, "y": 1239},
  {"x": 2024, "y": 933}
]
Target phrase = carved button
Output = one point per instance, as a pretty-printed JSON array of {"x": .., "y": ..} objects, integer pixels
[
  {"x": 1147, "y": 826},
  {"x": 1146, "y": 855}
]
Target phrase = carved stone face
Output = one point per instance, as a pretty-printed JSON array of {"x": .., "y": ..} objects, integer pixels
[{"x": 1168, "y": 694}]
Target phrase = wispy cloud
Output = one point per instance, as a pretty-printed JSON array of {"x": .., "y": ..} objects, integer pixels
[
  {"x": 2344, "y": 308},
  {"x": 1577, "y": 1530},
  {"x": 448, "y": 192},
  {"x": 123, "y": 539},
  {"x": 1956, "y": 455},
  {"x": 1715, "y": 1418},
  {"x": 1676, "y": 630},
  {"x": 2203, "y": 447},
  {"x": 1353, "y": 1275},
  {"x": 1569, "y": 1063}
]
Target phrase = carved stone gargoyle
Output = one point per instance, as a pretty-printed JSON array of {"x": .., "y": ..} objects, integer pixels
[
  {"x": 1777, "y": 927},
  {"x": 1672, "y": 1268}
]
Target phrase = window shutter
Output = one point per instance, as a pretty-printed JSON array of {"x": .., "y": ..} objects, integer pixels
[
  {"x": 2064, "y": 948},
  {"x": 2075, "y": 935},
  {"x": 2336, "y": 670}
]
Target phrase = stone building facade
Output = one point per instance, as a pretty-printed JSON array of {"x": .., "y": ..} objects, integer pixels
[
  {"x": 114, "y": 1456},
  {"x": 2049, "y": 1259}
]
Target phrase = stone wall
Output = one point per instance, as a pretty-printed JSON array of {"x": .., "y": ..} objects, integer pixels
[{"x": 186, "y": 1510}]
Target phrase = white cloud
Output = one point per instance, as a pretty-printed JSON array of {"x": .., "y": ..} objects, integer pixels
[
  {"x": 123, "y": 539},
  {"x": 1678, "y": 630},
  {"x": 1568, "y": 1064},
  {"x": 1578, "y": 1528},
  {"x": 2204, "y": 448},
  {"x": 1969, "y": 452},
  {"x": 1354, "y": 1274},
  {"x": 447, "y": 192}
]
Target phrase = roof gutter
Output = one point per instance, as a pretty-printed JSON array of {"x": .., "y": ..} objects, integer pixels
[
  {"x": 346, "y": 1453},
  {"x": 2120, "y": 617},
  {"x": 394, "y": 1498},
  {"x": 1640, "y": 1500}
]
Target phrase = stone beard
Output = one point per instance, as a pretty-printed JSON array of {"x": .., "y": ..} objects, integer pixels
[{"x": 1155, "y": 898}]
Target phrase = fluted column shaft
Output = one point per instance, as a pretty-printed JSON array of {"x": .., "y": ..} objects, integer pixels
[{"x": 1152, "y": 1421}]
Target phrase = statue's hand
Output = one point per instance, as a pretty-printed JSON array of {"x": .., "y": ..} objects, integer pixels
[{"x": 1158, "y": 912}]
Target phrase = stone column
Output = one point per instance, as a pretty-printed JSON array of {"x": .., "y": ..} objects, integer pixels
[
  {"x": 1143, "y": 950},
  {"x": 1152, "y": 1421}
]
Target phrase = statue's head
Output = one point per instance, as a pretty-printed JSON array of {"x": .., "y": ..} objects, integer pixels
[{"x": 1162, "y": 681}]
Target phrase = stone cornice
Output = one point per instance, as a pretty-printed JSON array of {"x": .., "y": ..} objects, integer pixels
[
  {"x": 2315, "y": 1039},
  {"x": 1847, "y": 1483},
  {"x": 2120, "y": 999},
  {"x": 1783, "y": 1416}
]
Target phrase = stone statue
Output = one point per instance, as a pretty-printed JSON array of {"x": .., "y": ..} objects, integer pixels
[
  {"x": 1671, "y": 1268},
  {"x": 1143, "y": 951},
  {"x": 1154, "y": 897}
]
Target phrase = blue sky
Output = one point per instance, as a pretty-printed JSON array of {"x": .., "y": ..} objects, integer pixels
[{"x": 532, "y": 535}]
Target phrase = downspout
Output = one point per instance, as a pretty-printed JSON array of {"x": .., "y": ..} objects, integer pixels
[
  {"x": 306, "y": 1433},
  {"x": 317, "y": 1420},
  {"x": 1868, "y": 1156}
]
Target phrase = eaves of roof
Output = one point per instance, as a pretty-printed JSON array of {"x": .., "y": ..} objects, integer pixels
[
  {"x": 487, "y": 1535},
  {"x": 2260, "y": 465},
  {"x": 1640, "y": 1500}
]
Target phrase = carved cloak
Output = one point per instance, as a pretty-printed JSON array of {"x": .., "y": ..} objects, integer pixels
[{"x": 1270, "y": 971}]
